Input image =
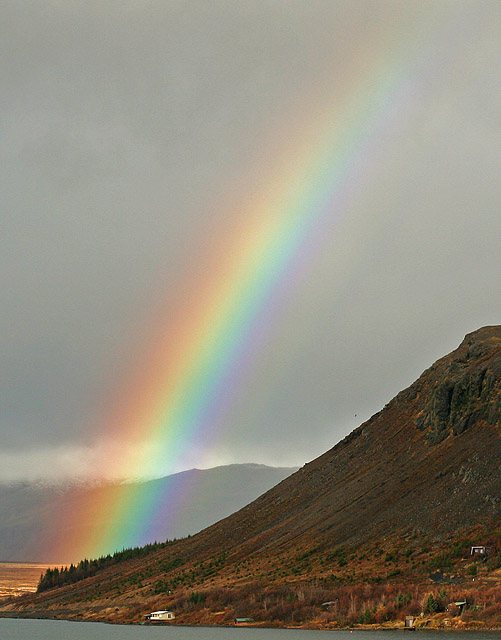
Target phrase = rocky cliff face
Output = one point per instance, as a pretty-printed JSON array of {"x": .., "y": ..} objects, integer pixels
[{"x": 465, "y": 388}]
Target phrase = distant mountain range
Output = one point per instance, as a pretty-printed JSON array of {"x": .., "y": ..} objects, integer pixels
[
  {"x": 31, "y": 512},
  {"x": 362, "y": 533}
]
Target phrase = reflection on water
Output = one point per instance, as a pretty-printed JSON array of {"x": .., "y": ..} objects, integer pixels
[
  {"x": 17, "y": 578},
  {"x": 61, "y": 630}
]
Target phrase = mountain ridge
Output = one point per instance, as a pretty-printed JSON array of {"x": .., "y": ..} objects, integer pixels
[
  {"x": 392, "y": 507},
  {"x": 32, "y": 514}
]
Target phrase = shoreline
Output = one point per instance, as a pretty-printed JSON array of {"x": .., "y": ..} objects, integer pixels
[{"x": 309, "y": 626}]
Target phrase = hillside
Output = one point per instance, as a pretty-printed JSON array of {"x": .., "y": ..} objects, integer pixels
[
  {"x": 34, "y": 515},
  {"x": 377, "y": 524}
]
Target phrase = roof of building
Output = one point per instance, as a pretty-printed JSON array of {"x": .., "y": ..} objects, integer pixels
[{"x": 158, "y": 612}]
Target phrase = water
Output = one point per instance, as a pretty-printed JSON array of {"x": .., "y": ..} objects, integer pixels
[
  {"x": 17, "y": 578},
  {"x": 11, "y": 629}
]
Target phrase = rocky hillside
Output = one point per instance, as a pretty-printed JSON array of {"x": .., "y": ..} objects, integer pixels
[
  {"x": 402, "y": 498},
  {"x": 428, "y": 463}
]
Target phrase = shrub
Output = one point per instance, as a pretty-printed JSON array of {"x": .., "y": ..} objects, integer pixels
[
  {"x": 441, "y": 561},
  {"x": 365, "y": 617},
  {"x": 432, "y": 605},
  {"x": 196, "y": 597}
]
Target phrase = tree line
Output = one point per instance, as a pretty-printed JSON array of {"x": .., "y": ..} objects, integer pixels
[{"x": 53, "y": 578}]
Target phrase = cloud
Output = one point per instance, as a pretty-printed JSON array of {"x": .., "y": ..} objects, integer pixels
[{"x": 69, "y": 463}]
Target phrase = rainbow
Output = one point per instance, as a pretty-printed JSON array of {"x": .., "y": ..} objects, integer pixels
[{"x": 197, "y": 357}]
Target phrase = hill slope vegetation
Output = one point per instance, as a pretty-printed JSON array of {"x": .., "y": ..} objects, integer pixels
[{"x": 378, "y": 527}]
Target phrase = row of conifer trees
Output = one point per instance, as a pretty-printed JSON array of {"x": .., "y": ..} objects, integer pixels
[{"x": 85, "y": 568}]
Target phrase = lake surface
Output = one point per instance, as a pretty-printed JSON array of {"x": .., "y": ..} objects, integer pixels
[
  {"x": 17, "y": 578},
  {"x": 11, "y": 629}
]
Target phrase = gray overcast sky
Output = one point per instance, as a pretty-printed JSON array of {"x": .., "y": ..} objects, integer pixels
[{"x": 132, "y": 129}]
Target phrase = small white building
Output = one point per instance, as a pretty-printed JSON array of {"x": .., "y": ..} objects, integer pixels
[
  {"x": 160, "y": 616},
  {"x": 479, "y": 550}
]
